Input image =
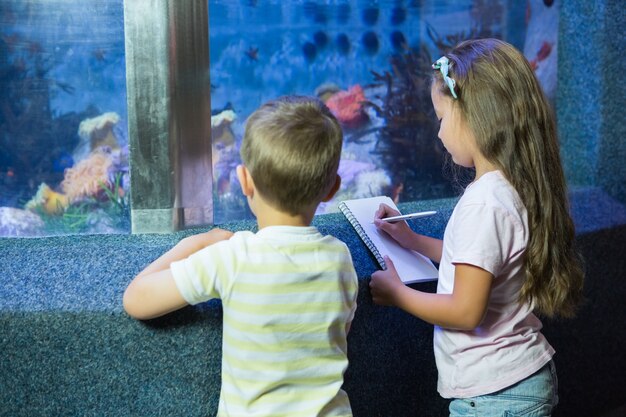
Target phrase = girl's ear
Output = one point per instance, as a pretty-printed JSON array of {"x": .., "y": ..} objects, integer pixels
[
  {"x": 333, "y": 190},
  {"x": 245, "y": 179}
]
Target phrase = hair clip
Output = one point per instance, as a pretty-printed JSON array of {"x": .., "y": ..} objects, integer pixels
[{"x": 442, "y": 64}]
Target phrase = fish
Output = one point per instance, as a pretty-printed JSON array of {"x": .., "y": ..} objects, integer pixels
[
  {"x": 253, "y": 53},
  {"x": 99, "y": 54},
  {"x": 544, "y": 51},
  {"x": 64, "y": 160},
  {"x": 63, "y": 86},
  {"x": 11, "y": 41},
  {"x": 34, "y": 48}
]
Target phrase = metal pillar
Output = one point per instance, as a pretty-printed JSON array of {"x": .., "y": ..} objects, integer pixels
[{"x": 167, "y": 72}]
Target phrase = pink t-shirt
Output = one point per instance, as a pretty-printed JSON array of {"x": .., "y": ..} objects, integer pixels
[{"x": 489, "y": 229}]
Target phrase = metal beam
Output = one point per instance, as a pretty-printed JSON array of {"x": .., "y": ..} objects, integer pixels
[{"x": 168, "y": 87}]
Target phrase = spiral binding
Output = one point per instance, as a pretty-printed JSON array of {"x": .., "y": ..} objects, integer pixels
[{"x": 359, "y": 230}]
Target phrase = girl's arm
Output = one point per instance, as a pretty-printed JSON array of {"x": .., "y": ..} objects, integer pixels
[
  {"x": 153, "y": 292},
  {"x": 464, "y": 309},
  {"x": 402, "y": 233}
]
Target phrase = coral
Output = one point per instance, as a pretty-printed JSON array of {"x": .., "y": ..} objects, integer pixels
[
  {"x": 228, "y": 116},
  {"x": 96, "y": 132},
  {"x": 225, "y": 154},
  {"x": 371, "y": 184},
  {"x": 347, "y": 106},
  {"x": 326, "y": 91},
  {"x": 407, "y": 144},
  {"x": 15, "y": 222},
  {"x": 221, "y": 131},
  {"x": 358, "y": 180},
  {"x": 47, "y": 200},
  {"x": 89, "y": 176}
]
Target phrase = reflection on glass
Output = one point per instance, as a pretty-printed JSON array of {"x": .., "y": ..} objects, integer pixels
[
  {"x": 63, "y": 140},
  {"x": 370, "y": 62}
]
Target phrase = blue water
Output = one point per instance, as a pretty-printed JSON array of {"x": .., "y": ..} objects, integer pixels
[
  {"x": 63, "y": 61},
  {"x": 281, "y": 29},
  {"x": 81, "y": 42}
]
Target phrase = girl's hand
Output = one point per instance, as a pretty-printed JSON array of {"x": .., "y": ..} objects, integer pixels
[
  {"x": 399, "y": 231},
  {"x": 386, "y": 285}
]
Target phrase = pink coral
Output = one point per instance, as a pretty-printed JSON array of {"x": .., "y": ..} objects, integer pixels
[
  {"x": 87, "y": 178},
  {"x": 347, "y": 106}
]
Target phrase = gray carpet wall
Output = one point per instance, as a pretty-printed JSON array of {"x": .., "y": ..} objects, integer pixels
[{"x": 68, "y": 349}]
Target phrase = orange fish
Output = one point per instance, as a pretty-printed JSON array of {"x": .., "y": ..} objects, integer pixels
[{"x": 544, "y": 51}]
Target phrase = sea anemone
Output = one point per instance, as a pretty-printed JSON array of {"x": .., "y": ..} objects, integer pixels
[
  {"x": 88, "y": 177},
  {"x": 96, "y": 132},
  {"x": 47, "y": 200},
  {"x": 347, "y": 106}
]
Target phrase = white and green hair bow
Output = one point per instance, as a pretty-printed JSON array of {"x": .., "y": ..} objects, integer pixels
[{"x": 442, "y": 64}]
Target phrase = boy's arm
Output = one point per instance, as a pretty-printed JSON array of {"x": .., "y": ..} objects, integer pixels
[
  {"x": 152, "y": 295},
  {"x": 153, "y": 292}
]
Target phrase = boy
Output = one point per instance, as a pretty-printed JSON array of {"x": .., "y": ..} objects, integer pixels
[{"x": 288, "y": 293}]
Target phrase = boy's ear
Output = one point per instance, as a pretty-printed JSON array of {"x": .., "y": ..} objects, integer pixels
[
  {"x": 333, "y": 190},
  {"x": 245, "y": 179}
]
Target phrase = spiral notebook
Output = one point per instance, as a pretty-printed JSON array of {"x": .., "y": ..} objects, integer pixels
[{"x": 411, "y": 266}]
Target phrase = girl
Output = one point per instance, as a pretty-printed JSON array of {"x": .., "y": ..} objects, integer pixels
[{"x": 508, "y": 248}]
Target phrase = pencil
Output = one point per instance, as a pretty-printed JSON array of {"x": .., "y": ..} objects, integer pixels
[{"x": 417, "y": 215}]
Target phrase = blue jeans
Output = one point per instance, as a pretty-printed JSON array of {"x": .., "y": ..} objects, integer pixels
[{"x": 534, "y": 396}]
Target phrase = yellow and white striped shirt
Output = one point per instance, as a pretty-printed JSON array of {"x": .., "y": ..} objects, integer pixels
[{"x": 288, "y": 295}]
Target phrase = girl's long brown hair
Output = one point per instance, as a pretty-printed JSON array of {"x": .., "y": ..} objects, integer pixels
[{"x": 515, "y": 129}]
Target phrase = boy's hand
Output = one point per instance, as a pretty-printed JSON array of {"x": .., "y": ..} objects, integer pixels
[
  {"x": 185, "y": 248},
  {"x": 399, "y": 231},
  {"x": 153, "y": 292},
  {"x": 202, "y": 240},
  {"x": 386, "y": 285}
]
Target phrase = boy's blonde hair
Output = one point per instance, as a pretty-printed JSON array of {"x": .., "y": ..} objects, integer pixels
[
  {"x": 291, "y": 147},
  {"x": 505, "y": 108}
]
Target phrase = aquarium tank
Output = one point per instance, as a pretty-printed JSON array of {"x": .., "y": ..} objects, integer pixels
[
  {"x": 64, "y": 154},
  {"x": 63, "y": 135}
]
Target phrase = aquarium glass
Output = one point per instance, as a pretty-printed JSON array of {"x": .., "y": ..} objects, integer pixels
[
  {"x": 63, "y": 117},
  {"x": 63, "y": 131},
  {"x": 369, "y": 61}
]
